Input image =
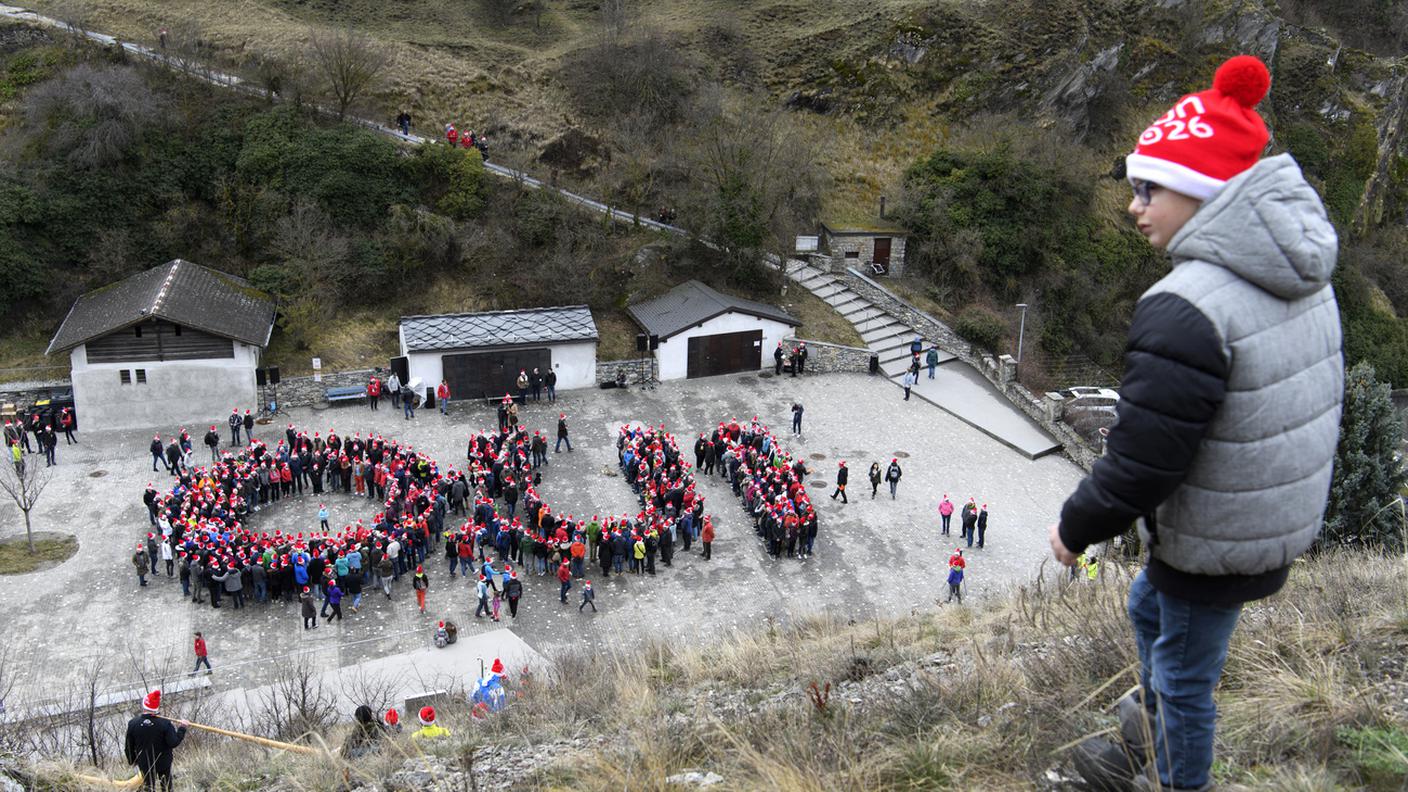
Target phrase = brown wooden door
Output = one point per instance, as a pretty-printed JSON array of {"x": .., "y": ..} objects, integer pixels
[
  {"x": 724, "y": 353},
  {"x": 882, "y": 251},
  {"x": 484, "y": 375}
]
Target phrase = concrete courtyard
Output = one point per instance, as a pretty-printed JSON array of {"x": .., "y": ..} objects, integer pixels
[{"x": 873, "y": 557}]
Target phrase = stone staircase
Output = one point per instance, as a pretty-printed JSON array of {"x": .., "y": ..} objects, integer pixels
[
  {"x": 958, "y": 389},
  {"x": 883, "y": 334}
]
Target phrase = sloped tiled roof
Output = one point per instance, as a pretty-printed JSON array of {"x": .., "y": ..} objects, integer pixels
[
  {"x": 497, "y": 328},
  {"x": 692, "y": 303},
  {"x": 177, "y": 291}
]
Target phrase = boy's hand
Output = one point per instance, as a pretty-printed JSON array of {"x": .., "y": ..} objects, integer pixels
[{"x": 1058, "y": 548}]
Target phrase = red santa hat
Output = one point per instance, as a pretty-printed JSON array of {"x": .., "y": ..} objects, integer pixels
[
  {"x": 393, "y": 717},
  {"x": 498, "y": 666},
  {"x": 1207, "y": 137},
  {"x": 427, "y": 715},
  {"x": 152, "y": 702}
]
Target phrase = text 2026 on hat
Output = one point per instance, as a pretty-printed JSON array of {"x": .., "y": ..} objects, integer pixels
[{"x": 1207, "y": 137}]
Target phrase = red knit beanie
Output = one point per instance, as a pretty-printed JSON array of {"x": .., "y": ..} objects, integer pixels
[{"x": 1208, "y": 137}]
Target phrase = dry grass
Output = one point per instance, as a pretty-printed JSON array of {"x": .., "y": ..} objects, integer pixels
[
  {"x": 969, "y": 697},
  {"x": 50, "y": 549},
  {"x": 820, "y": 322}
]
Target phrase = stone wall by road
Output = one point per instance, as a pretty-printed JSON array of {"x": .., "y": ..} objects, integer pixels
[{"x": 826, "y": 358}]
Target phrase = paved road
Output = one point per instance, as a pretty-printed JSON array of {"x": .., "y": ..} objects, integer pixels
[{"x": 872, "y": 557}]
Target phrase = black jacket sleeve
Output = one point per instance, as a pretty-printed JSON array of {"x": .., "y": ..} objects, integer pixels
[{"x": 1174, "y": 382}]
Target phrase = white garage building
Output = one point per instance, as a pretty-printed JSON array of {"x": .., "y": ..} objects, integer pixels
[
  {"x": 701, "y": 332},
  {"x": 480, "y": 354},
  {"x": 177, "y": 344}
]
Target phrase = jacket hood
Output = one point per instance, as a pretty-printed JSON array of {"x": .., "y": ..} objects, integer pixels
[{"x": 1269, "y": 227}]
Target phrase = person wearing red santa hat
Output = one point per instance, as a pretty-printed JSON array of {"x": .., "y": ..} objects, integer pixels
[
  {"x": 151, "y": 741},
  {"x": 562, "y": 434},
  {"x": 429, "y": 730},
  {"x": 1233, "y": 356}
]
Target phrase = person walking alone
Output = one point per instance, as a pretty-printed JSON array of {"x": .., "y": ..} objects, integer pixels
[
  {"x": 562, "y": 434},
  {"x": 841, "y": 475},
  {"x": 875, "y": 478},
  {"x": 931, "y": 359},
  {"x": 588, "y": 597},
  {"x": 202, "y": 655},
  {"x": 909, "y": 381},
  {"x": 797, "y": 419},
  {"x": 892, "y": 475}
]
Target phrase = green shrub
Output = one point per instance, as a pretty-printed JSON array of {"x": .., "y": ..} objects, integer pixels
[{"x": 981, "y": 327}]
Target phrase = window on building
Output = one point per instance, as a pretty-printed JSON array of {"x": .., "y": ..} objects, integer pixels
[
  {"x": 125, "y": 376},
  {"x": 138, "y": 328},
  {"x": 178, "y": 329},
  {"x": 141, "y": 376},
  {"x": 852, "y": 254}
]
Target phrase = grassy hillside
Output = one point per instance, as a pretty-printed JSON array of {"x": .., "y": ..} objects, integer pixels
[
  {"x": 987, "y": 695},
  {"x": 754, "y": 119}
]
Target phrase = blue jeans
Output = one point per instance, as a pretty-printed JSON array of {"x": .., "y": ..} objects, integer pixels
[
  {"x": 552, "y": 393},
  {"x": 931, "y": 372},
  {"x": 445, "y": 402},
  {"x": 408, "y": 408},
  {"x": 1182, "y": 648},
  {"x": 560, "y": 441}
]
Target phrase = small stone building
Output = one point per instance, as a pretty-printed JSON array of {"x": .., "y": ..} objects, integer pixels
[
  {"x": 850, "y": 244},
  {"x": 174, "y": 345},
  {"x": 480, "y": 354},
  {"x": 700, "y": 332}
]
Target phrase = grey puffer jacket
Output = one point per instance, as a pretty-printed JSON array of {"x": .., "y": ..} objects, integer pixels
[{"x": 1230, "y": 404}]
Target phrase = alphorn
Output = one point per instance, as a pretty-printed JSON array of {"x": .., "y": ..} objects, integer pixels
[{"x": 136, "y": 780}]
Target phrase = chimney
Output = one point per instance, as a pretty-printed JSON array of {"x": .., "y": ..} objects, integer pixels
[{"x": 882, "y": 207}]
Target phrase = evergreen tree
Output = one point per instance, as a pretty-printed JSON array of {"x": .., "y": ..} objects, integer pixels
[{"x": 1366, "y": 506}]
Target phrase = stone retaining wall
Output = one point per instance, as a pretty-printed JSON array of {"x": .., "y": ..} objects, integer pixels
[
  {"x": 827, "y": 358},
  {"x": 305, "y": 392},
  {"x": 634, "y": 369},
  {"x": 1001, "y": 372}
]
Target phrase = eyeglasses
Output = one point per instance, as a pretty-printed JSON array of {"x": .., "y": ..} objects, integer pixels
[{"x": 1142, "y": 190}]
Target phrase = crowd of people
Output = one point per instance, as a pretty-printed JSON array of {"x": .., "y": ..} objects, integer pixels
[
  {"x": 199, "y": 528},
  {"x": 467, "y": 140},
  {"x": 671, "y": 507},
  {"x": 17, "y": 433},
  {"x": 770, "y": 482},
  {"x": 972, "y": 520}
]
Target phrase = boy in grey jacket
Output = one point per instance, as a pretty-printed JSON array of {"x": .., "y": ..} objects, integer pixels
[{"x": 1228, "y": 420}]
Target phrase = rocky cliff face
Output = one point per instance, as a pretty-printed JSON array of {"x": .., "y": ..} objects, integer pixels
[{"x": 1101, "y": 69}]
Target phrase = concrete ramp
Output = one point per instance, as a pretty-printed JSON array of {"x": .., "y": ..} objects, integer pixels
[{"x": 961, "y": 391}]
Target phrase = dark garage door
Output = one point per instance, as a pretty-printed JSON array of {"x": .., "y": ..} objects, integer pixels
[
  {"x": 725, "y": 353},
  {"x": 481, "y": 375}
]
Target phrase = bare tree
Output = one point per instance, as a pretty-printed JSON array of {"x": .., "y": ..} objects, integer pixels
[
  {"x": 297, "y": 703},
  {"x": 187, "y": 48},
  {"x": 24, "y": 484},
  {"x": 350, "y": 62},
  {"x": 94, "y": 115},
  {"x": 760, "y": 175},
  {"x": 76, "y": 17}
]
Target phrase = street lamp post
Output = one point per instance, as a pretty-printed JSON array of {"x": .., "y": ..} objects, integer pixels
[{"x": 1021, "y": 331}]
